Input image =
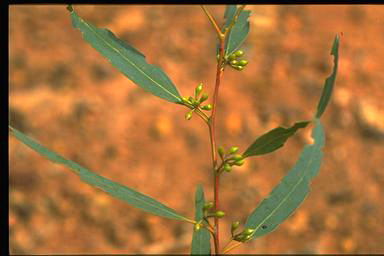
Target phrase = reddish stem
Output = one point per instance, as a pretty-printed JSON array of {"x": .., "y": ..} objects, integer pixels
[{"x": 219, "y": 73}]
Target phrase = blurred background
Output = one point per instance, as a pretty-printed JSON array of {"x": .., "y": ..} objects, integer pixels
[{"x": 65, "y": 95}]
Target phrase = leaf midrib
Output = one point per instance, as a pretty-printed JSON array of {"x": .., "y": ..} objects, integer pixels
[
  {"x": 77, "y": 168},
  {"x": 122, "y": 55},
  {"x": 148, "y": 203},
  {"x": 285, "y": 198}
]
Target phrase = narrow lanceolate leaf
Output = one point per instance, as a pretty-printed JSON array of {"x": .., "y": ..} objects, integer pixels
[
  {"x": 330, "y": 81},
  {"x": 291, "y": 191},
  {"x": 115, "y": 189},
  {"x": 273, "y": 140},
  {"x": 230, "y": 11},
  {"x": 127, "y": 60},
  {"x": 201, "y": 239},
  {"x": 239, "y": 31}
]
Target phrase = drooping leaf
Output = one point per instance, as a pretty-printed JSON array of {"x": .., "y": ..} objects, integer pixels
[
  {"x": 239, "y": 31},
  {"x": 127, "y": 60},
  {"x": 330, "y": 81},
  {"x": 291, "y": 191},
  {"x": 273, "y": 140},
  {"x": 201, "y": 239},
  {"x": 115, "y": 189}
]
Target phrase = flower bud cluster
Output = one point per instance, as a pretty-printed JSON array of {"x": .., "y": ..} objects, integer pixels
[
  {"x": 230, "y": 158},
  {"x": 195, "y": 102},
  {"x": 236, "y": 62}
]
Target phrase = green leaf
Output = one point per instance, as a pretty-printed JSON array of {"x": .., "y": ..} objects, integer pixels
[
  {"x": 239, "y": 31},
  {"x": 330, "y": 81},
  {"x": 230, "y": 11},
  {"x": 201, "y": 239},
  {"x": 291, "y": 191},
  {"x": 273, "y": 139},
  {"x": 115, "y": 189},
  {"x": 127, "y": 60}
]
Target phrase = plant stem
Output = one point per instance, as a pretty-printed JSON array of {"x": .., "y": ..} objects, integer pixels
[
  {"x": 226, "y": 245},
  {"x": 232, "y": 247},
  {"x": 213, "y": 21},
  {"x": 212, "y": 118}
]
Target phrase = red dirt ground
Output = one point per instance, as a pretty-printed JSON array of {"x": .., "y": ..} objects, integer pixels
[{"x": 68, "y": 97}]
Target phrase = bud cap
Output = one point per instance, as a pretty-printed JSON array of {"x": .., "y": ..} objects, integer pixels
[
  {"x": 227, "y": 167},
  {"x": 233, "y": 150},
  {"x": 235, "y": 225},
  {"x": 239, "y": 53},
  {"x": 219, "y": 214}
]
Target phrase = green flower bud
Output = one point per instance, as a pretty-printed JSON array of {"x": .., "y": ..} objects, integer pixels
[
  {"x": 239, "y": 53},
  {"x": 218, "y": 56},
  {"x": 204, "y": 97},
  {"x": 243, "y": 62},
  {"x": 219, "y": 214},
  {"x": 248, "y": 231},
  {"x": 207, "y": 107},
  {"x": 197, "y": 227},
  {"x": 237, "y": 157},
  {"x": 185, "y": 100},
  {"x": 198, "y": 90},
  {"x": 233, "y": 150},
  {"x": 232, "y": 57},
  {"x": 235, "y": 225},
  {"x": 239, "y": 163},
  {"x": 234, "y": 62},
  {"x": 208, "y": 205},
  {"x": 221, "y": 152},
  {"x": 188, "y": 115},
  {"x": 227, "y": 167},
  {"x": 239, "y": 68}
]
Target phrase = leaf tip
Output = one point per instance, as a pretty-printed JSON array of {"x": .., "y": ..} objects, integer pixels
[{"x": 335, "y": 46}]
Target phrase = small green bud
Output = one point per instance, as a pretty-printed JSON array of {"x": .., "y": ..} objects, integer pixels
[
  {"x": 207, "y": 107},
  {"x": 239, "y": 53},
  {"x": 239, "y": 162},
  {"x": 218, "y": 56},
  {"x": 198, "y": 90},
  {"x": 248, "y": 231},
  {"x": 219, "y": 214},
  {"x": 239, "y": 68},
  {"x": 237, "y": 157},
  {"x": 233, "y": 150},
  {"x": 227, "y": 167},
  {"x": 234, "y": 62},
  {"x": 235, "y": 225},
  {"x": 204, "y": 97},
  {"x": 220, "y": 150},
  {"x": 197, "y": 227},
  {"x": 185, "y": 100},
  {"x": 208, "y": 205},
  {"x": 188, "y": 115},
  {"x": 243, "y": 62},
  {"x": 232, "y": 57}
]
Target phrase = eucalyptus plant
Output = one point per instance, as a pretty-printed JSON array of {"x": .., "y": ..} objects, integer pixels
[{"x": 282, "y": 201}]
